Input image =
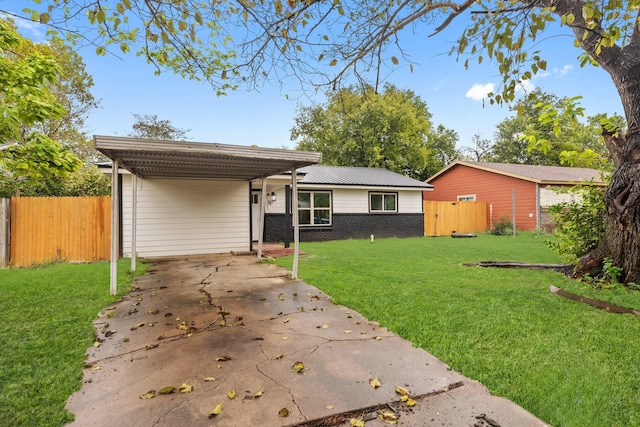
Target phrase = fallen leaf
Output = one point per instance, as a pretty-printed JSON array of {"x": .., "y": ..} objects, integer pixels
[
  {"x": 285, "y": 338},
  {"x": 109, "y": 333},
  {"x": 185, "y": 388},
  {"x": 262, "y": 299},
  {"x": 389, "y": 417},
  {"x": 356, "y": 423},
  {"x": 301, "y": 308},
  {"x": 216, "y": 411},
  {"x": 349, "y": 316},
  {"x": 411, "y": 402},
  {"x": 96, "y": 344},
  {"x": 363, "y": 333},
  {"x": 284, "y": 412},
  {"x": 222, "y": 323},
  {"x": 110, "y": 315},
  {"x": 402, "y": 391},
  {"x": 298, "y": 367},
  {"x": 328, "y": 407},
  {"x": 155, "y": 311},
  {"x": 258, "y": 394},
  {"x": 286, "y": 320},
  {"x": 149, "y": 395},
  {"x": 168, "y": 390},
  {"x": 208, "y": 378},
  {"x": 348, "y": 331},
  {"x": 377, "y": 338},
  {"x": 280, "y": 356},
  {"x": 404, "y": 398},
  {"x": 151, "y": 346},
  {"x": 223, "y": 358},
  {"x": 183, "y": 326},
  {"x": 231, "y": 394},
  {"x": 325, "y": 326},
  {"x": 139, "y": 325},
  {"x": 95, "y": 368},
  {"x": 281, "y": 297},
  {"x": 314, "y": 298},
  {"x": 375, "y": 383},
  {"x": 125, "y": 339}
]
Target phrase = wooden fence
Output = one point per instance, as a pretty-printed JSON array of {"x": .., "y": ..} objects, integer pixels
[
  {"x": 59, "y": 228},
  {"x": 444, "y": 218}
]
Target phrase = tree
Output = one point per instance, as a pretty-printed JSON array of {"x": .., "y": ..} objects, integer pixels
[
  {"x": 359, "y": 127},
  {"x": 149, "y": 126},
  {"x": 335, "y": 39},
  {"x": 480, "y": 151},
  {"x": 31, "y": 161}
]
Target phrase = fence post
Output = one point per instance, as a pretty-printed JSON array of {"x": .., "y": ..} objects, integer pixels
[{"x": 5, "y": 229}]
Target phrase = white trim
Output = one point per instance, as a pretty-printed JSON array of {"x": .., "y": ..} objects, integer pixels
[{"x": 113, "y": 282}]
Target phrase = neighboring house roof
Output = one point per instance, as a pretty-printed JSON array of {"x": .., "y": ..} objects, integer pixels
[
  {"x": 350, "y": 175},
  {"x": 534, "y": 173}
]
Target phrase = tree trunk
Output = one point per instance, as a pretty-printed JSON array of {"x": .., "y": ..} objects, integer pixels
[{"x": 621, "y": 241}]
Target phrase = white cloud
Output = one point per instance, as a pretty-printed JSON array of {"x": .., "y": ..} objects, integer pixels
[
  {"x": 564, "y": 70},
  {"x": 525, "y": 86},
  {"x": 478, "y": 91},
  {"x": 29, "y": 29}
]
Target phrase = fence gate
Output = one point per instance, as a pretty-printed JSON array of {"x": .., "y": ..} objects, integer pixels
[
  {"x": 59, "y": 228},
  {"x": 444, "y": 218}
]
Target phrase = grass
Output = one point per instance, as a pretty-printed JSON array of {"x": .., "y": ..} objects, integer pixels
[
  {"x": 45, "y": 329},
  {"x": 566, "y": 362}
]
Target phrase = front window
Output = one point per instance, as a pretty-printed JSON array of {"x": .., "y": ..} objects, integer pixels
[
  {"x": 314, "y": 208},
  {"x": 383, "y": 202}
]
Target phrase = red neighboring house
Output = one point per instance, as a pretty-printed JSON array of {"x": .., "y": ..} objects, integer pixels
[{"x": 535, "y": 188}]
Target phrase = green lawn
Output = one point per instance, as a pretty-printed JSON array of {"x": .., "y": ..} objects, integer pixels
[
  {"x": 568, "y": 363},
  {"x": 45, "y": 329}
]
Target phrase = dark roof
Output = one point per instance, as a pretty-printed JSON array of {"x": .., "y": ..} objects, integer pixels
[
  {"x": 349, "y": 175},
  {"x": 534, "y": 173}
]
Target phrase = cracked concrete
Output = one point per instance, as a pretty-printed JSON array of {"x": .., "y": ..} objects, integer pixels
[{"x": 224, "y": 323}]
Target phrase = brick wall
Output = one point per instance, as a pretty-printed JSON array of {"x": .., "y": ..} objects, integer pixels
[{"x": 351, "y": 226}]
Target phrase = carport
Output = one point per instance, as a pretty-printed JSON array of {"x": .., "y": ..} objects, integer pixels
[{"x": 150, "y": 159}]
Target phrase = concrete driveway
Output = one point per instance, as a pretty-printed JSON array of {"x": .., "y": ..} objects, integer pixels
[{"x": 212, "y": 327}]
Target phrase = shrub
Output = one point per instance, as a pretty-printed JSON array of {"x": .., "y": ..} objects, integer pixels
[
  {"x": 502, "y": 227},
  {"x": 579, "y": 223}
]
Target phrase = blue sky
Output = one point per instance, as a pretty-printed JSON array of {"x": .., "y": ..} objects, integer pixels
[{"x": 126, "y": 85}]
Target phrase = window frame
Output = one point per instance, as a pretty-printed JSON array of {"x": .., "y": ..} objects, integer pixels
[
  {"x": 383, "y": 194},
  {"x": 312, "y": 208}
]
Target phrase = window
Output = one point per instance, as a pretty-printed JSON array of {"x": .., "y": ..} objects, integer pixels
[
  {"x": 314, "y": 207},
  {"x": 383, "y": 202},
  {"x": 467, "y": 198}
]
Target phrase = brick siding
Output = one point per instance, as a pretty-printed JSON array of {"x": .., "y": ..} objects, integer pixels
[{"x": 351, "y": 226}]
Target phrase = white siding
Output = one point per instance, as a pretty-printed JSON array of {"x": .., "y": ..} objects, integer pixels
[
  {"x": 549, "y": 196},
  {"x": 356, "y": 200},
  {"x": 410, "y": 201},
  {"x": 187, "y": 217}
]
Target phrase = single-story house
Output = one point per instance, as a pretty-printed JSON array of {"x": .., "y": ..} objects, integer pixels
[
  {"x": 341, "y": 202},
  {"x": 532, "y": 187}
]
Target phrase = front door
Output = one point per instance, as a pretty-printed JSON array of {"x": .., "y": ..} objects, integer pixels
[{"x": 255, "y": 215}]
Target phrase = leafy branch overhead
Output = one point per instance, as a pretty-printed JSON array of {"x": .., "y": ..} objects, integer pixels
[{"x": 228, "y": 43}]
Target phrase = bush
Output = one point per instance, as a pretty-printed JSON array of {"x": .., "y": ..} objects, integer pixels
[
  {"x": 502, "y": 227},
  {"x": 579, "y": 223}
]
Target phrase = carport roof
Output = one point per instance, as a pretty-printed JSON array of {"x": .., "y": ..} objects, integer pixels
[{"x": 182, "y": 159}]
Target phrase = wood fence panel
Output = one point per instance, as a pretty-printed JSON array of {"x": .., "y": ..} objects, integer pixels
[
  {"x": 74, "y": 229},
  {"x": 443, "y": 218}
]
